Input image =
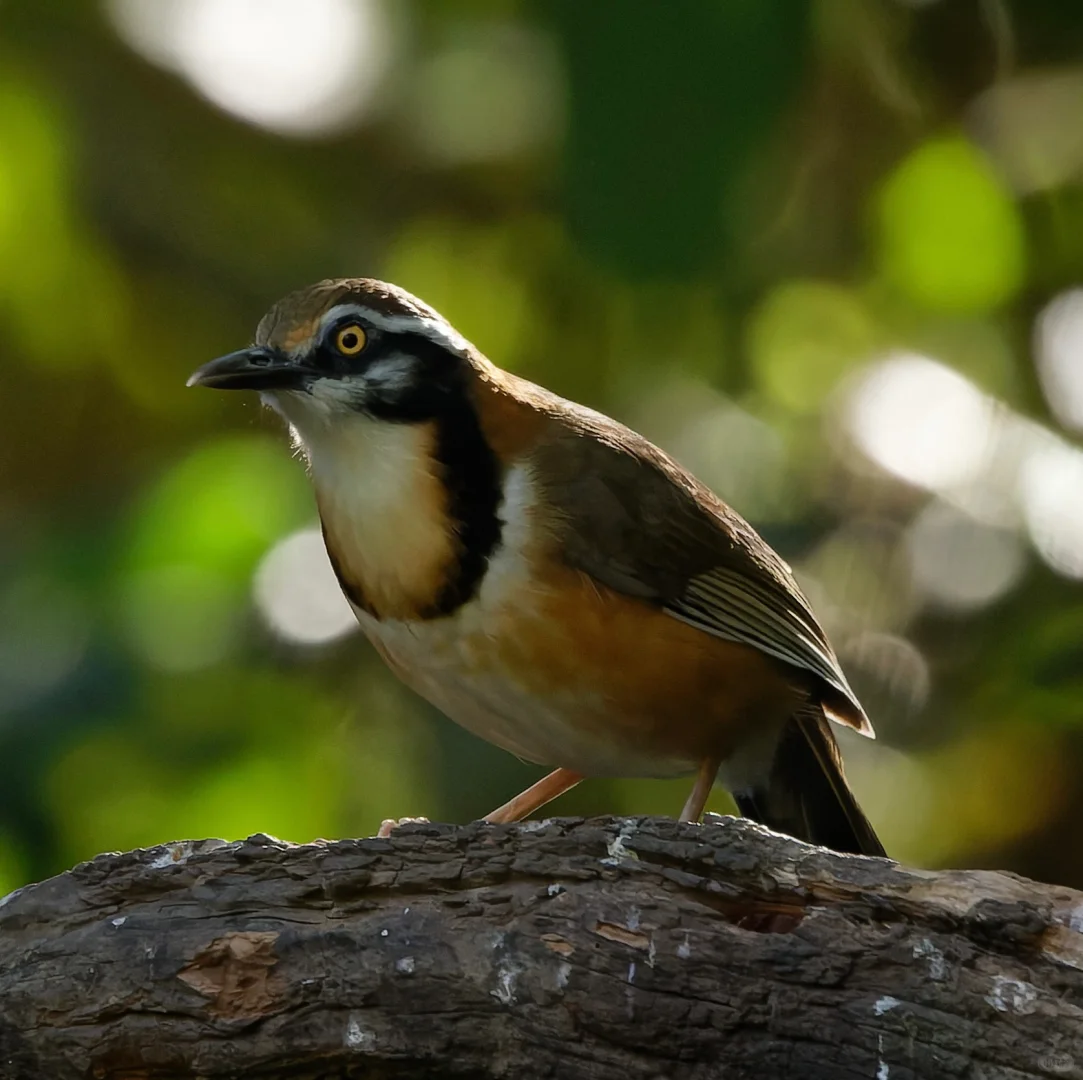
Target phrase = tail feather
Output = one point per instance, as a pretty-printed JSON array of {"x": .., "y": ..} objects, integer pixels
[{"x": 805, "y": 794}]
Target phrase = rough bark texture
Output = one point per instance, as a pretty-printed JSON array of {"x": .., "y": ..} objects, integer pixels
[{"x": 615, "y": 949}]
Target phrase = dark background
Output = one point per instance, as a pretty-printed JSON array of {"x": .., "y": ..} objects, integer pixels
[{"x": 828, "y": 254}]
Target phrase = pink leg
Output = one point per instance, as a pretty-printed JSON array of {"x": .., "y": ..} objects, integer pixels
[
  {"x": 535, "y": 796},
  {"x": 697, "y": 797}
]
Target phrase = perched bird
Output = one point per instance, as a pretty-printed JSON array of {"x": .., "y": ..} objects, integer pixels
[{"x": 546, "y": 577}]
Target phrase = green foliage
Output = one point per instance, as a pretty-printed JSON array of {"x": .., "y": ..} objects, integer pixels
[
  {"x": 804, "y": 337},
  {"x": 667, "y": 107},
  {"x": 951, "y": 237}
]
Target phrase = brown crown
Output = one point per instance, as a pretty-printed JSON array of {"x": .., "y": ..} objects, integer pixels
[{"x": 295, "y": 317}]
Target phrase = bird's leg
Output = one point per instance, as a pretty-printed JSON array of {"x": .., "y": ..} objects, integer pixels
[
  {"x": 535, "y": 796},
  {"x": 697, "y": 797}
]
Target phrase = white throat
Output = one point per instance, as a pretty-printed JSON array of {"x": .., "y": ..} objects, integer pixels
[
  {"x": 352, "y": 455},
  {"x": 382, "y": 502}
]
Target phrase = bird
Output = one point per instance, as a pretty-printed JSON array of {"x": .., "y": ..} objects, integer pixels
[{"x": 545, "y": 576}]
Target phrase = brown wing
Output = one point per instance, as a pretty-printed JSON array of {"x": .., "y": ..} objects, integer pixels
[{"x": 634, "y": 520}]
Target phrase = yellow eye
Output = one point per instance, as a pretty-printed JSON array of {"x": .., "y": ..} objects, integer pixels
[{"x": 350, "y": 340}]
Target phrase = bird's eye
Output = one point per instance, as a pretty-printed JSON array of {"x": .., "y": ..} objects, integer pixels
[{"x": 350, "y": 340}]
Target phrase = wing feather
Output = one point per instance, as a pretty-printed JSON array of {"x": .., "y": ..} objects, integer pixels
[
  {"x": 732, "y": 606},
  {"x": 632, "y": 519}
]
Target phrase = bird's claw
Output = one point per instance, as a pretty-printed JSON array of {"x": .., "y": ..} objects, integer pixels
[{"x": 388, "y": 825}]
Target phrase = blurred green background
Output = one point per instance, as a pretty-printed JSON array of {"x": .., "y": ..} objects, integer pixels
[{"x": 829, "y": 254}]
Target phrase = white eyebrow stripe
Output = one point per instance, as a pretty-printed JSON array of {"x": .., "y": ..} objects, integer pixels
[{"x": 434, "y": 329}]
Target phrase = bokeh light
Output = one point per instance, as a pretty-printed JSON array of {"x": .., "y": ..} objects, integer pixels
[
  {"x": 893, "y": 676},
  {"x": 734, "y": 452},
  {"x": 1052, "y": 494},
  {"x": 960, "y": 563},
  {"x": 920, "y": 420},
  {"x": 1059, "y": 354},
  {"x": 858, "y": 579},
  {"x": 804, "y": 337},
  {"x": 298, "y": 594},
  {"x": 299, "y": 69},
  {"x": 950, "y": 235},
  {"x": 494, "y": 91},
  {"x": 1030, "y": 126}
]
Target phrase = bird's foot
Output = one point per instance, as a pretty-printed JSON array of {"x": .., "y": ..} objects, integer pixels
[{"x": 388, "y": 825}]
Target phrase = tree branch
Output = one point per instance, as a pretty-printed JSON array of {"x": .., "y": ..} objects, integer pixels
[{"x": 623, "y": 949}]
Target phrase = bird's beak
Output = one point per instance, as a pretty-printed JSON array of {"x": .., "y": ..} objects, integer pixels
[{"x": 256, "y": 368}]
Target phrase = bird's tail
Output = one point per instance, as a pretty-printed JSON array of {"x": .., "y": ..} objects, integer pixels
[{"x": 805, "y": 793}]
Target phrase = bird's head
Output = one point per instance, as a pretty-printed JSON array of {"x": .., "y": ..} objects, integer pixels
[
  {"x": 348, "y": 346},
  {"x": 381, "y": 396}
]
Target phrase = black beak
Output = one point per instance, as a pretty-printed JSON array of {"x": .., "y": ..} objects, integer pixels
[{"x": 256, "y": 368}]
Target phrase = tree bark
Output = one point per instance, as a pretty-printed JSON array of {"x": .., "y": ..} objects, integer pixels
[{"x": 607, "y": 949}]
